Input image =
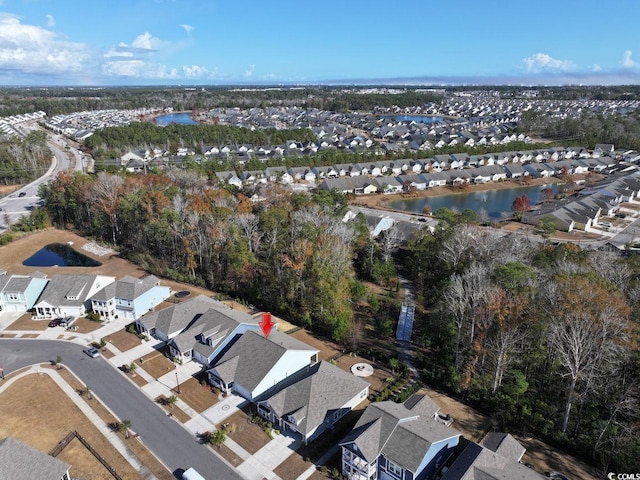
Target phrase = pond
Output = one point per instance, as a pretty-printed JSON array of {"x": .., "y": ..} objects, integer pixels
[
  {"x": 494, "y": 203},
  {"x": 182, "y": 118},
  {"x": 415, "y": 118},
  {"x": 60, "y": 255}
]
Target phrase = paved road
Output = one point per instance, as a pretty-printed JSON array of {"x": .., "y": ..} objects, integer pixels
[
  {"x": 15, "y": 206},
  {"x": 165, "y": 437}
]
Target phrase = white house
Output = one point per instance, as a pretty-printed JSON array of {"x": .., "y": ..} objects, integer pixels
[
  {"x": 255, "y": 363},
  {"x": 129, "y": 298},
  {"x": 68, "y": 295}
]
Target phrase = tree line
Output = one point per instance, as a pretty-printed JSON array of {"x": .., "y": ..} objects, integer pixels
[
  {"x": 542, "y": 336},
  {"x": 24, "y": 159},
  {"x": 289, "y": 253}
]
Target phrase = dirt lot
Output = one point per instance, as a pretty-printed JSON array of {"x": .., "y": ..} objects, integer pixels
[
  {"x": 292, "y": 467},
  {"x": 26, "y": 416},
  {"x": 547, "y": 459}
]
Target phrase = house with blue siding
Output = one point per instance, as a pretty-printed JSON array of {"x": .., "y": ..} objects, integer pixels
[
  {"x": 254, "y": 364},
  {"x": 393, "y": 441},
  {"x": 129, "y": 298},
  {"x": 19, "y": 293}
]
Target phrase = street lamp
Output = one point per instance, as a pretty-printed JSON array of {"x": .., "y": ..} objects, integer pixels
[{"x": 177, "y": 382}]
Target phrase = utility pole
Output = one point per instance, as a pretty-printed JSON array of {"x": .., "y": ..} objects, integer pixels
[{"x": 178, "y": 382}]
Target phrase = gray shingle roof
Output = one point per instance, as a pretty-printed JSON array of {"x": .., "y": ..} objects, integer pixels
[
  {"x": 479, "y": 463},
  {"x": 253, "y": 355},
  {"x": 401, "y": 434},
  {"x": 67, "y": 290},
  {"x": 504, "y": 444},
  {"x": 177, "y": 317},
  {"x": 18, "y": 460},
  {"x": 127, "y": 288},
  {"x": 316, "y": 393}
]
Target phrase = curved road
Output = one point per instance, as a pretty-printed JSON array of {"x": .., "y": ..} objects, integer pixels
[{"x": 166, "y": 438}]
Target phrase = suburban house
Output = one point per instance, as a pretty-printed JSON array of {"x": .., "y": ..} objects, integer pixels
[
  {"x": 69, "y": 295},
  {"x": 129, "y": 298},
  {"x": 497, "y": 457},
  {"x": 19, "y": 293},
  {"x": 197, "y": 329},
  {"x": 18, "y": 461},
  {"x": 230, "y": 178},
  {"x": 394, "y": 441},
  {"x": 255, "y": 363},
  {"x": 312, "y": 401}
]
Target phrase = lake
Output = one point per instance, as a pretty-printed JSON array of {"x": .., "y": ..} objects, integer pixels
[
  {"x": 494, "y": 202},
  {"x": 181, "y": 118},
  {"x": 414, "y": 118},
  {"x": 60, "y": 255}
]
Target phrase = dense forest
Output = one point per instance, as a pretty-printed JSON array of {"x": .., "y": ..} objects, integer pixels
[
  {"x": 542, "y": 336},
  {"x": 545, "y": 337},
  {"x": 24, "y": 159},
  {"x": 589, "y": 129}
]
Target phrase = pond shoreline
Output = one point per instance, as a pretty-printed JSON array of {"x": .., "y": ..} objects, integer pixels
[{"x": 381, "y": 201}]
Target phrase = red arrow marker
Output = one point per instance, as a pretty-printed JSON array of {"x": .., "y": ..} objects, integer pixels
[{"x": 266, "y": 324}]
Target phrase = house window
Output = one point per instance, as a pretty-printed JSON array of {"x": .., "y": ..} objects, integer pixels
[
  {"x": 393, "y": 468},
  {"x": 13, "y": 297}
]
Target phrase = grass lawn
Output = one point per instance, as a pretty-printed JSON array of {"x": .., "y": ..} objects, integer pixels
[
  {"x": 86, "y": 326},
  {"x": 173, "y": 410},
  {"x": 196, "y": 396},
  {"x": 249, "y": 436},
  {"x": 228, "y": 454},
  {"x": 156, "y": 364},
  {"x": 123, "y": 340},
  {"x": 25, "y": 322},
  {"x": 26, "y": 416},
  {"x": 292, "y": 467}
]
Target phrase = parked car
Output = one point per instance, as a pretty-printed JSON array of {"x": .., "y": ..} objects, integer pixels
[
  {"x": 66, "y": 321},
  {"x": 22, "y": 194},
  {"x": 55, "y": 322},
  {"x": 92, "y": 352}
]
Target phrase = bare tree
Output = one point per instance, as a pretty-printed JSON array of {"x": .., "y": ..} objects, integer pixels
[
  {"x": 106, "y": 194},
  {"x": 389, "y": 241},
  {"x": 249, "y": 224}
]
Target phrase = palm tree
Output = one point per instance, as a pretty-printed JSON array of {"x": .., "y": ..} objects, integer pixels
[
  {"x": 171, "y": 401},
  {"x": 124, "y": 426},
  {"x": 87, "y": 392}
]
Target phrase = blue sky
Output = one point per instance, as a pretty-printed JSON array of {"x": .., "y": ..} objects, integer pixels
[{"x": 171, "y": 42}]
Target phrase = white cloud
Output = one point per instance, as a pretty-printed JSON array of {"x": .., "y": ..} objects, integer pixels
[
  {"x": 249, "y": 71},
  {"x": 35, "y": 50},
  {"x": 194, "y": 71},
  {"x": 187, "y": 28},
  {"x": 543, "y": 62},
  {"x": 627, "y": 61},
  {"x": 138, "y": 68},
  {"x": 596, "y": 68},
  {"x": 50, "y": 20}
]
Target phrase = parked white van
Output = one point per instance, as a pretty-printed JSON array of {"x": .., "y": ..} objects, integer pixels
[{"x": 192, "y": 474}]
